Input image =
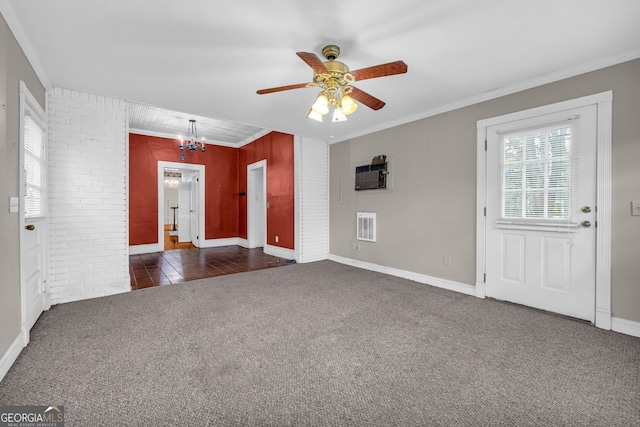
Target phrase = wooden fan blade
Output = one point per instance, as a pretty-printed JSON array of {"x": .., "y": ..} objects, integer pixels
[
  {"x": 281, "y": 88},
  {"x": 368, "y": 100},
  {"x": 313, "y": 61},
  {"x": 382, "y": 70}
]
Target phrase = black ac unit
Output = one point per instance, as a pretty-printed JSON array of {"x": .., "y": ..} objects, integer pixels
[{"x": 373, "y": 176}]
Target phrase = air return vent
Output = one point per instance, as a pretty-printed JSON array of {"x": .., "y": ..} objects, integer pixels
[{"x": 366, "y": 223}]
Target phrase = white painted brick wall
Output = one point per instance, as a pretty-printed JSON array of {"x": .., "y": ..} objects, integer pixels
[
  {"x": 88, "y": 248},
  {"x": 313, "y": 200}
]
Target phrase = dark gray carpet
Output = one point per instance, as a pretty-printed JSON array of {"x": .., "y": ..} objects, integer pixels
[{"x": 322, "y": 344}]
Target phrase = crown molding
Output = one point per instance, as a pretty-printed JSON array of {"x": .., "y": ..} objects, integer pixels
[
  {"x": 507, "y": 90},
  {"x": 24, "y": 42}
]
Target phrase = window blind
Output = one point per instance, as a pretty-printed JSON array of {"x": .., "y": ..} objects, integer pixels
[
  {"x": 540, "y": 172},
  {"x": 34, "y": 168}
]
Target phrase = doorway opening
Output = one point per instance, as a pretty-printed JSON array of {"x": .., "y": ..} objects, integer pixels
[
  {"x": 257, "y": 204},
  {"x": 180, "y": 205}
]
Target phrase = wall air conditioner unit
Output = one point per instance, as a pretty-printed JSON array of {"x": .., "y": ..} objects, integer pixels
[{"x": 373, "y": 176}]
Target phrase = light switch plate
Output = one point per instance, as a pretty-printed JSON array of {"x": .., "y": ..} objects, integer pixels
[
  {"x": 14, "y": 204},
  {"x": 635, "y": 208}
]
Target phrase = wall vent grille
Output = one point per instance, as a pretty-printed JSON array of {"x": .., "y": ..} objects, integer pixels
[{"x": 366, "y": 224}]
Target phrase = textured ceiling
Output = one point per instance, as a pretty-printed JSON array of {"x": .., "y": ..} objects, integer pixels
[
  {"x": 172, "y": 123},
  {"x": 208, "y": 58}
]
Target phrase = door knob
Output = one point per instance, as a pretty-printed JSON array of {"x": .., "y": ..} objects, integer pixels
[
  {"x": 30, "y": 227},
  {"x": 585, "y": 224},
  {"x": 586, "y": 209}
]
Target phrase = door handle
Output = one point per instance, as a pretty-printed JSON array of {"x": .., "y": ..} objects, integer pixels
[
  {"x": 30, "y": 227},
  {"x": 585, "y": 224}
]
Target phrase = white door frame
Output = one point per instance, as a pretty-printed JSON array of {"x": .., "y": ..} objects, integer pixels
[
  {"x": 251, "y": 205},
  {"x": 603, "y": 101},
  {"x": 201, "y": 218}
]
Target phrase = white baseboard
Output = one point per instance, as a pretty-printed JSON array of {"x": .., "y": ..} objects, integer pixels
[
  {"x": 216, "y": 243},
  {"x": 279, "y": 252},
  {"x": 624, "y": 326},
  {"x": 416, "y": 277},
  {"x": 270, "y": 249},
  {"x": 145, "y": 249},
  {"x": 12, "y": 354}
]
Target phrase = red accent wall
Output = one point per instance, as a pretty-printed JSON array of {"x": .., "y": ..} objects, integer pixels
[
  {"x": 226, "y": 177},
  {"x": 221, "y": 197},
  {"x": 277, "y": 149}
]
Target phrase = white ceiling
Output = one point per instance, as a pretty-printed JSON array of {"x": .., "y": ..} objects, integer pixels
[{"x": 207, "y": 58}]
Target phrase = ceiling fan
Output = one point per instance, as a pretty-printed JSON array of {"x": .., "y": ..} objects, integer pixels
[{"x": 335, "y": 79}]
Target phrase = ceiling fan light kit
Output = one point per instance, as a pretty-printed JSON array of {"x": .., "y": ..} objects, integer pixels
[{"x": 335, "y": 78}]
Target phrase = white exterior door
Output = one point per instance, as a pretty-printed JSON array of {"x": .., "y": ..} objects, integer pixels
[
  {"x": 33, "y": 212},
  {"x": 541, "y": 212},
  {"x": 33, "y": 262}
]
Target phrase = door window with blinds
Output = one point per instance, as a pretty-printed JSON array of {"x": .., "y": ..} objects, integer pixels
[
  {"x": 34, "y": 166},
  {"x": 539, "y": 173}
]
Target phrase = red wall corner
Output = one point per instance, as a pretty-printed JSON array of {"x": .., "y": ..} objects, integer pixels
[
  {"x": 221, "y": 186},
  {"x": 277, "y": 149}
]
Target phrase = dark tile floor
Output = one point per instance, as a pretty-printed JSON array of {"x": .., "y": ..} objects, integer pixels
[{"x": 175, "y": 266}]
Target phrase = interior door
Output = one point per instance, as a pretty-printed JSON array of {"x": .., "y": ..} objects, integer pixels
[
  {"x": 184, "y": 210},
  {"x": 194, "y": 203},
  {"x": 541, "y": 213},
  {"x": 256, "y": 205}
]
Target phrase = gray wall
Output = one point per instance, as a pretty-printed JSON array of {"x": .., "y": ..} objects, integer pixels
[
  {"x": 13, "y": 68},
  {"x": 430, "y": 211}
]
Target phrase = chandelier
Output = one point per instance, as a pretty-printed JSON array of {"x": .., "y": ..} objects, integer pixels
[
  {"x": 191, "y": 143},
  {"x": 171, "y": 182}
]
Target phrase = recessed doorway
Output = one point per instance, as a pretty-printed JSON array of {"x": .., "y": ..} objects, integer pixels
[{"x": 180, "y": 205}]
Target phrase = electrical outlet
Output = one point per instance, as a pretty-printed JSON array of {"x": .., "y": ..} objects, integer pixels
[
  {"x": 277, "y": 237},
  {"x": 447, "y": 260},
  {"x": 635, "y": 208}
]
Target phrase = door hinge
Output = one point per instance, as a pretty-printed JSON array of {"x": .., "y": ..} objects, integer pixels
[
  {"x": 484, "y": 278},
  {"x": 485, "y": 211},
  {"x": 485, "y": 145}
]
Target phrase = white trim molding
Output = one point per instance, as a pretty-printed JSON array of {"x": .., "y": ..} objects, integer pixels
[
  {"x": 603, "y": 102},
  {"x": 279, "y": 252},
  {"x": 145, "y": 249},
  {"x": 216, "y": 243},
  {"x": 499, "y": 92},
  {"x": 24, "y": 41},
  {"x": 201, "y": 198},
  {"x": 624, "y": 326},
  {"x": 12, "y": 353},
  {"x": 451, "y": 285}
]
